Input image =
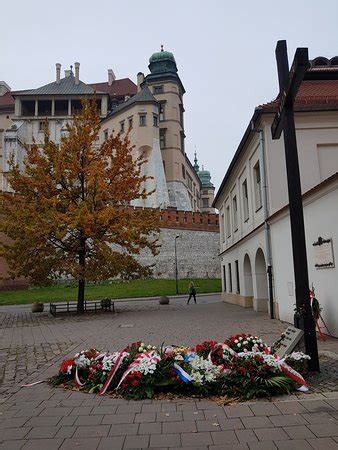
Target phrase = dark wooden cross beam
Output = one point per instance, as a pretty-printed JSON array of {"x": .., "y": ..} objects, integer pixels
[{"x": 289, "y": 82}]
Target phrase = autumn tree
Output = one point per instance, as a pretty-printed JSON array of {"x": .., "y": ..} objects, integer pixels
[{"x": 69, "y": 212}]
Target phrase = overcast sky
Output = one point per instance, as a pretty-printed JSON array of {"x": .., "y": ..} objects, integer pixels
[{"x": 224, "y": 52}]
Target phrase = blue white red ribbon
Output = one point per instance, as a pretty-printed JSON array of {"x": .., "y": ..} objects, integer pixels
[{"x": 183, "y": 375}]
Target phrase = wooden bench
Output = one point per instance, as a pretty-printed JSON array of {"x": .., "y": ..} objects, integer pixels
[{"x": 89, "y": 305}]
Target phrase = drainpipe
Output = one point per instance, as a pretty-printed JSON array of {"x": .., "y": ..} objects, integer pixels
[{"x": 266, "y": 215}]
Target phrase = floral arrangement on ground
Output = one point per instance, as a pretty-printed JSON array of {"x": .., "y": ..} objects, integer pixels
[{"x": 243, "y": 366}]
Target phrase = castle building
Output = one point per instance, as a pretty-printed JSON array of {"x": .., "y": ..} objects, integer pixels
[
  {"x": 255, "y": 236},
  {"x": 151, "y": 111},
  {"x": 207, "y": 189}
]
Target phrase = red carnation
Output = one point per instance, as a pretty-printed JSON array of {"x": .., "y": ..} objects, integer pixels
[
  {"x": 134, "y": 383},
  {"x": 66, "y": 364}
]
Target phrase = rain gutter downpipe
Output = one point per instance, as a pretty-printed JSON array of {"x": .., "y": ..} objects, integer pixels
[{"x": 266, "y": 215}]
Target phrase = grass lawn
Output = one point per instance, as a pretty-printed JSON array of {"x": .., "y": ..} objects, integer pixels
[{"x": 135, "y": 288}]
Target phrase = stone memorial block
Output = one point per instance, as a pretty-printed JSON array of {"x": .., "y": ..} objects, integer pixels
[{"x": 291, "y": 339}]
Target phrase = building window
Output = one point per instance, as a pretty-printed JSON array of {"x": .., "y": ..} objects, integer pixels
[
  {"x": 222, "y": 228},
  {"x": 189, "y": 181},
  {"x": 205, "y": 203},
  {"x": 258, "y": 186},
  {"x": 42, "y": 125},
  {"x": 143, "y": 120},
  {"x": 158, "y": 89},
  {"x": 162, "y": 111},
  {"x": 122, "y": 126},
  {"x": 155, "y": 120},
  {"x": 245, "y": 201},
  {"x": 235, "y": 212},
  {"x": 61, "y": 108},
  {"x": 130, "y": 123},
  {"x": 237, "y": 277},
  {"x": 228, "y": 226},
  {"x": 105, "y": 134},
  {"x": 44, "y": 108},
  {"x": 162, "y": 138},
  {"x": 181, "y": 115},
  {"x": 183, "y": 171},
  {"x": 230, "y": 277},
  {"x": 224, "y": 279},
  {"x": 164, "y": 165},
  {"x": 182, "y": 140}
]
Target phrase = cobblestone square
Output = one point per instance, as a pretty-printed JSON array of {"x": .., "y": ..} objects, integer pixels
[{"x": 32, "y": 347}]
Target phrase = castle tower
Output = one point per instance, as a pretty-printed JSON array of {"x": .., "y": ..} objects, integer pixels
[
  {"x": 207, "y": 190},
  {"x": 166, "y": 86}
]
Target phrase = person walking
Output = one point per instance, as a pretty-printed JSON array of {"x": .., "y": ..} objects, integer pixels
[{"x": 192, "y": 292}]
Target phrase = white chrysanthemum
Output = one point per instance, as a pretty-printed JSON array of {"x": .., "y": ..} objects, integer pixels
[
  {"x": 240, "y": 338},
  {"x": 298, "y": 356},
  {"x": 236, "y": 341}
]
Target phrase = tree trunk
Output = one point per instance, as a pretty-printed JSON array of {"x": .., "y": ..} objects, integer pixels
[
  {"x": 82, "y": 281},
  {"x": 80, "y": 296}
]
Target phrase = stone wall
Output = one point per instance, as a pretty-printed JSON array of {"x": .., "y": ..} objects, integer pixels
[{"x": 197, "y": 254}]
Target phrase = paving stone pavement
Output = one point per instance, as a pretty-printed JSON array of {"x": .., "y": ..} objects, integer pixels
[{"x": 40, "y": 417}]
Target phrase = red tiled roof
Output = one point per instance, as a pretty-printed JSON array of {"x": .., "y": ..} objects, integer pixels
[
  {"x": 312, "y": 94},
  {"x": 7, "y": 100},
  {"x": 119, "y": 87}
]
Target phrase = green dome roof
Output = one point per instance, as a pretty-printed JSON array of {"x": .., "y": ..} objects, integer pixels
[
  {"x": 204, "y": 173},
  {"x": 160, "y": 56},
  {"x": 161, "y": 62}
]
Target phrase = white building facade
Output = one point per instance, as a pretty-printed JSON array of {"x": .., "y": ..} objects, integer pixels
[{"x": 253, "y": 205}]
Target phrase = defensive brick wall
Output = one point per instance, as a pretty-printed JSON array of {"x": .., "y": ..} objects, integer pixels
[{"x": 197, "y": 248}]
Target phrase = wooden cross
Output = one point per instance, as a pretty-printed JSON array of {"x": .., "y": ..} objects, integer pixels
[{"x": 289, "y": 82}]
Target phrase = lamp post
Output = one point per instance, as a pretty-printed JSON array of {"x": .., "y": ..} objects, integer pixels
[{"x": 176, "y": 269}]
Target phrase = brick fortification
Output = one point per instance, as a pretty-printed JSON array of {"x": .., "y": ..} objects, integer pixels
[
  {"x": 186, "y": 220},
  {"x": 197, "y": 248},
  {"x": 197, "y": 245}
]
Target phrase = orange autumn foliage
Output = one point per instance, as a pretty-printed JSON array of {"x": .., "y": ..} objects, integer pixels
[{"x": 69, "y": 214}]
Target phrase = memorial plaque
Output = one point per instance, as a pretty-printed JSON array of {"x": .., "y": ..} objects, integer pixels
[
  {"x": 323, "y": 253},
  {"x": 292, "y": 337}
]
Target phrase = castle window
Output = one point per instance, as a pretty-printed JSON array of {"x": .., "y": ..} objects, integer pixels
[
  {"x": 182, "y": 140},
  {"x": 155, "y": 120},
  {"x": 162, "y": 138},
  {"x": 61, "y": 108},
  {"x": 162, "y": 111},
  {"x": 28, "y": 108},
  {"x": 42, "y": 125},
  {"x": 183, "y": 171},
  {"x": 45, "y": 107},
  {"x": 205, "y": 202},
  {"x": 122, "y": 126},
  {"x": 143, "y": 120},
  {"x": 105, "y": 134},
  {"x": 130, "y": 123},
  {"x": 158, "y": 89}
]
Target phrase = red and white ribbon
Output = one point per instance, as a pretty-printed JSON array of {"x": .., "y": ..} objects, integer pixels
[
  {"x": 77, "y": 379},
  {"x": 151, "y": 357},
  {"x": 112, "y": 372}
]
